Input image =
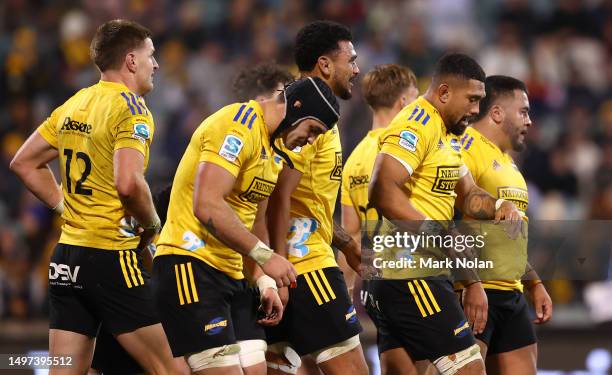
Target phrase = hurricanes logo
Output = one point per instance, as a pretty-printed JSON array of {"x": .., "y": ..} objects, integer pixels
[
  {"x": 336, "y": 173},
  {"x": 258, "y": 190},
  {"x": 351, "y": 315},
  {"x": 518, "y": 196},
  {"x": 462, "y": 329},
  {"x": 215, "y": 326},
  {"x": 446, "y": 180}
]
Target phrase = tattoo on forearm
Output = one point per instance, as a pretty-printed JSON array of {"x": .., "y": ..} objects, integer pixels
[
  {"x": 210, "y": 226},
  {"x": 340, "y": 238},
  {"x": 480, "y": 205}
]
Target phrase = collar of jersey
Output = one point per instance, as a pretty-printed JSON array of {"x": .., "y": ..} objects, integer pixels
[
  {"x": 424, "y": 103},
  {"x": 115, "y": 85},
  {"x": 477, "y": 133}
]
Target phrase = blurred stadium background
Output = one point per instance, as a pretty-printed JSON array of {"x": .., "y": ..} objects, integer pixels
[{"x": 561, "y": 49}]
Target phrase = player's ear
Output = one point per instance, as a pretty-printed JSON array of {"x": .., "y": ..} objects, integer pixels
[
  {"x": 497, "y": 114},
  {"x": 444, "y": 93},
  {"x": 130, "y": 61},
  {"x": 325, "y": 65}
]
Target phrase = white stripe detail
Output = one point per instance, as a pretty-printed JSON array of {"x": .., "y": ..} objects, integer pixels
[
  {"x": 406, "y": 165},
  {"x": 324, "y": 98}
]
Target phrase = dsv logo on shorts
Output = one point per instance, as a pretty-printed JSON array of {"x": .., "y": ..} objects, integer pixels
[{"x": 63, "y": 272}]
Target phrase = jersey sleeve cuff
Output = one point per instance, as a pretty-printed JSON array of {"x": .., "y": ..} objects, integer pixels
[
  {"x": 133, "y": 144},
  {"x": 211, "y": 157},
  {"x": 404, "y": 163},
  {"x": 47, "y": 136}
]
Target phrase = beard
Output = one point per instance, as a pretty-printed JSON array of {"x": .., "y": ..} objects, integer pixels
[
  {"x": 343, "y": 91},
  {"x": 459, "y": 127},
  {"x": 517, "y": 145},
  {"x": 514, "y": 134}
]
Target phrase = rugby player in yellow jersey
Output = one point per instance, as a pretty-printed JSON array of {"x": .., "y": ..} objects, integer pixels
[
  {"x": 508, "y": 341},
  {"x": 261, "y": 82},
  {"x": 319, "y": 319},
  {"x": 387, "y": 89},
  {"x": 219, "y": 193},
  {"x": 101, "y": 136},
  {"x": 419, "y": 175}
]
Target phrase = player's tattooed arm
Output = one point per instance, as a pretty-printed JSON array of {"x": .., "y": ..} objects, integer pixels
[
  {"x": 210, "y": 226},
  {"x": 211, "y": 209},
  {"x": 479, "y": 204},
  {"x": 341, "y": 238}
]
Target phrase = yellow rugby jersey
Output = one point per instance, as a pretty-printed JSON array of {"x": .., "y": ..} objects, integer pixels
[
  {"x": 356, "y": 177},
  {"x": 495, "y": 172},
  {"x": 236, "y": 139},
  {"x": 86, "y": 130},
  {"x": 313, "y": 202},
  {"x": 417, "y": 138}
]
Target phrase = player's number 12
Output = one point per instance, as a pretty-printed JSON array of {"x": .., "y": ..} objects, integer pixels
[{"x": 78, "y": 189}]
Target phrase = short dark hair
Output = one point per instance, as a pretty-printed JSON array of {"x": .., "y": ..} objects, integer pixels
[
  {"x": 259, "y": 80},
  {"x": 496, "y": 87},
  {"x": 113, "y": 40},
  {"x": 460, "y": 65},
  {"x": 384, "y": 84},
  {"x": 317, "y": 39}
]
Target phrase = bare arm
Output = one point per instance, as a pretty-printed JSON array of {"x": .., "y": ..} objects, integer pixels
[
  {"x": 387, "y": 191},
  {"x": 132, "y": 187},
  {"x": 474, "y": 201},
  {"x": 212, "y": 185},
  {"x": 352, "y": 224},
  {"x": 259, "y": 229},
  {"x": 278, "y": 214},
  {"x": 30, "y": 165},
  {"x": 210, "y": 207}
]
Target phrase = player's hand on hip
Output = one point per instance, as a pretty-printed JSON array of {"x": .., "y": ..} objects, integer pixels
[
  {"x": 476, "y": 306},
  {"x": 280, "y": 269},
  {"x": 542, "y": 303},
  {"x": 511, "y": 217}
]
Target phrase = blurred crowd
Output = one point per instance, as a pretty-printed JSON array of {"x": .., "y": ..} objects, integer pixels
[{"x": 561, "y": 49}]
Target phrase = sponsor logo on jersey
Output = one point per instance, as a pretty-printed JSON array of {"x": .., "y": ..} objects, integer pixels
[
  {"x": 358, "y": 180},
  {"x": 462, "y": 329},
  {"x": 73, "y": 125},
  {"x": 351, "y": 315},
  {"x": 231, "y": 147},
  {"x": 63, "y": 272},
  {"x": 496, "y": 165},
  {"x": 215, "y": 326},
  {"x": 258, "y": 190},
  {"x": 141, "y": 132},
  {"x": 336, "y": 173},
  {"x": 408, "y": 140},
  {"x": 264, "y": 155},
  {"x": 440, "y": 144},
  {"x": 446, "y": 179},
  {"x": 518, "y": 196}
]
